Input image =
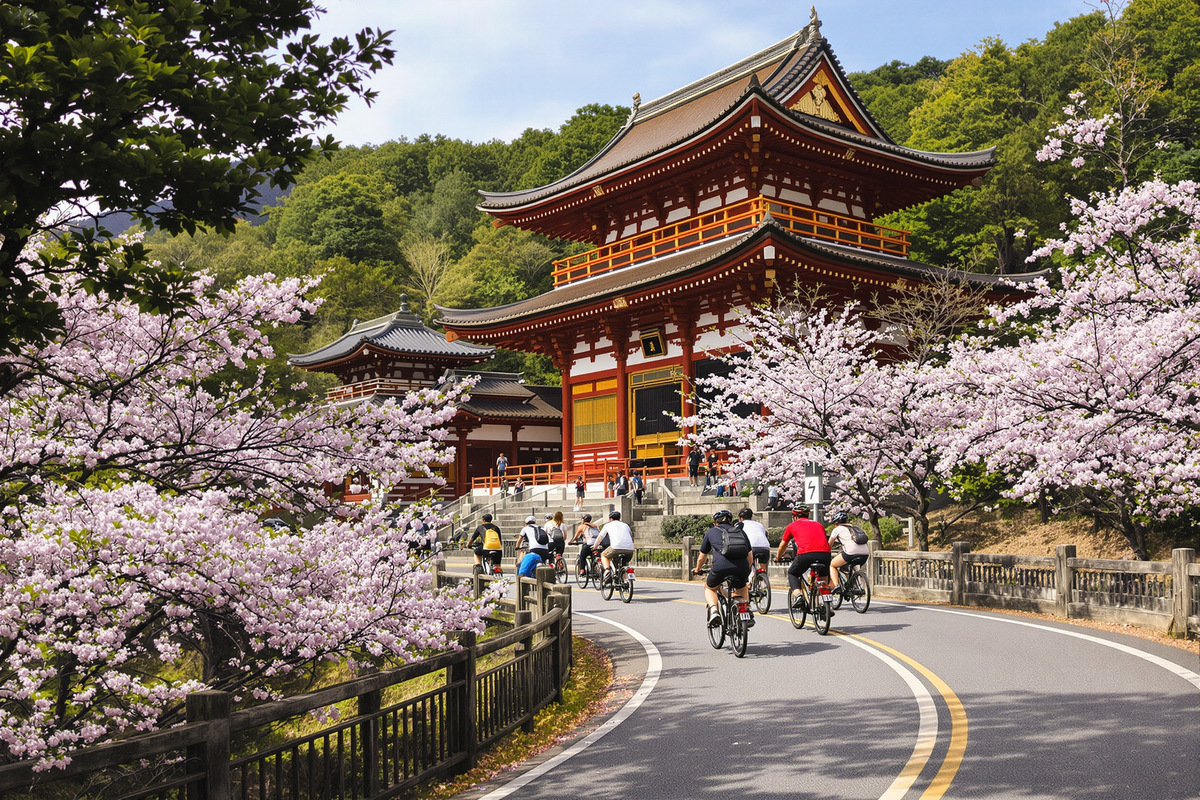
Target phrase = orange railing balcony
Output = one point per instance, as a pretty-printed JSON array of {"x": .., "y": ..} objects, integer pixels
[
  {"x": 367, "y": 388},
  {"x": 726, "y": 221}
]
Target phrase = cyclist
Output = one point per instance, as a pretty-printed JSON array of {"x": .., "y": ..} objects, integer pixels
[
  {"x": 732, "y": 558},
  {"x": 534, "y": 542},
  {"x": 757, "y": 534},
  {"x": 585, "y": 534},
  {"x": 486, "y": 541},
  {"x": 812, "y": 548},
  {"x": 616, "y": 539},
  {"x": 853, "y": 553}
]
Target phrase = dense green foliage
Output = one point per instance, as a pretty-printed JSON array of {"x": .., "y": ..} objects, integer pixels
[
  {"x": 401, "y": 219},
  {"x": 1008, "y": 97},
  {"x": 173, "y": 111},
  {"x": 694, "y": 525}
]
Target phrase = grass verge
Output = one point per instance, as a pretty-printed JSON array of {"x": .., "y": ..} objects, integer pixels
[{"x": 583, "y": 698}]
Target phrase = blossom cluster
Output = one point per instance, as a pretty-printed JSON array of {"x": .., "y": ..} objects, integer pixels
[{"x": 134, "y": 470}]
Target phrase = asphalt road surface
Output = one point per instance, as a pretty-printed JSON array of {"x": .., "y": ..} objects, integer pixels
[{"x": 905, "y": 701}]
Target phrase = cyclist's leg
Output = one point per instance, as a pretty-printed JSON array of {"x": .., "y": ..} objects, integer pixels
[{"x": 839, "y": 561}]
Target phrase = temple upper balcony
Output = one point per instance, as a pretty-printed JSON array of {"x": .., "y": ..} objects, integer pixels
[{"x": 727, "y": 221}]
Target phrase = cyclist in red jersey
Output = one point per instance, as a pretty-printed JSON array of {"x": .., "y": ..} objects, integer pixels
[{"x": 812, "y": 547}]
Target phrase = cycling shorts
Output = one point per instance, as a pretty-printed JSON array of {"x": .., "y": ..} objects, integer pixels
[
  {"x": 738, "y": 574},
  {"x": 495, "y": 556},
  {"x": 558, "y": 546},
  {"x": 854, "y": 559},
  {"x": 803, "y": 561},
  {"x": 762, "y": 555}
]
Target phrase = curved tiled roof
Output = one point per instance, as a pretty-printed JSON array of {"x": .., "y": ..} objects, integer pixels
[
  {"x": 772, "y": 75},
  {"x": 402, "y": 333},
  {"x": 641, "y": 276},
  {"x": 504, "y": 395}
]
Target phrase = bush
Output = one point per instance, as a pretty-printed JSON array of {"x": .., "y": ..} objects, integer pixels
[
  {"x": 694, "y": 525},
  {"x": 775, "y": 536},
  {"x": 890, "y": 531}
]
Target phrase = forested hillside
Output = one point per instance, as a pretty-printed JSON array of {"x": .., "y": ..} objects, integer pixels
[{"x": 400, "y": 218}]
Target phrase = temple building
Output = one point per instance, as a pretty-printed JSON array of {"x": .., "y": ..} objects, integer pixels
[
  {"x": 395, "y": 354},
  {"x": 763, "y": 175}
]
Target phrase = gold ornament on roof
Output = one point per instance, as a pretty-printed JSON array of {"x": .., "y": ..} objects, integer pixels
[{"x": 814, "y": 101}]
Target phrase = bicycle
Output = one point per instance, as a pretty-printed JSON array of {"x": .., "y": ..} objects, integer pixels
[
  {"x": 733, "y": 616},
  {"x": 621, "y": 580},
  {"x": 561, "y": 574},
  {"x": 490, "y": 566},
  {"x": 589, "y": 572},
  {"x": 813, "y": 597},
  {"x": 760, "y": 589},
  {"x": 853, "y": 586}
]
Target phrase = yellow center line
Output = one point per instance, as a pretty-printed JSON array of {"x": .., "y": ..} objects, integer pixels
[
  {"x": 958, "y": 722},
  {"x": 920, "y": 757}
]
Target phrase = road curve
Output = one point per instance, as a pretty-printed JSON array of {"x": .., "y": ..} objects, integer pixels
[{"x": 906, "y": 701}]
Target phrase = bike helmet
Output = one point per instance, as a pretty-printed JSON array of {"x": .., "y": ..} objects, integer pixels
[
  {"x": 840, "y": 518},
  {"x": 746, "y": 513},
  {"x": 549, "y": 516},
  {"x": 799, "y": 512},
  {"x": 614, "y": 515},
  {"x": 486, "y": 517},
  {"x": 722, "y": 516},
  {"x": 531, "y": 520},
  {"x": 587, "y": 517}
]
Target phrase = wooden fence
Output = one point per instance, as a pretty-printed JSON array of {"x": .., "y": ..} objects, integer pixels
[{"x": 491, "y": 687}]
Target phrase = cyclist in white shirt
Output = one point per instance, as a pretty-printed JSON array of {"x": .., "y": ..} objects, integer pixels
[
  {"x": 586, "y": 535},
  {"x": 852, "y": 553},
  {"x": 757, "y": 534},
  {"x": 616, "y": 538}
]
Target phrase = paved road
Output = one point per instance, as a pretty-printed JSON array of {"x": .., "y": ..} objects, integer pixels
[{"x": 909, "y": 701}]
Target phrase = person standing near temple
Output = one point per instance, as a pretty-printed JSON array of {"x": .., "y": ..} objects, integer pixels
[
  {"x": 501, "y": 470},
  {"x": 621, "y": 487},
  {"x": 693, "y": 462},
  {"x": 580, "y": 490}
]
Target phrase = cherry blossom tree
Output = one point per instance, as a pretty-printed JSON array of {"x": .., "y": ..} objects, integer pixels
[
  {"x": 852, "y": 394},
  {"x": 135, "y": 466},
  {"x": 1098, "y": 397}
]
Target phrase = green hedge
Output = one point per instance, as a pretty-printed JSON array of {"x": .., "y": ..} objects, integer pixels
[{"x": 694, "y": 525}]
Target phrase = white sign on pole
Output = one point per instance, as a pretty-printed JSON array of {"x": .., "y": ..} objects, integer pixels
[{"x": 812, "y": 491}]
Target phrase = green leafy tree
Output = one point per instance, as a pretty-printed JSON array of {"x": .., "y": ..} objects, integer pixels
[
  {"x": 895, "y": 89},
  {"x": 449, "y": 213},
  {"x": 580, "y": 138},
  {"x": 173, "y": 110},
  {"x": 344, "y": 214}
]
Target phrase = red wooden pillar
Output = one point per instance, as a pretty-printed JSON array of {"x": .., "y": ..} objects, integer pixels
[
  {"x": 687, "y": 344},
  {"x": 512, "y": 456},
  {"x": 568, "y": 422},
  {"x": 622, "y": 402}
]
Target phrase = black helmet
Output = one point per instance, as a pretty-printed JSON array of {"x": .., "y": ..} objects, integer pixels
[
  {"x": 723, "y": 516},
  {"x": 587, "y": 517},
  {"x": 839, "y": 518},
  {"x": 746, "y": 513},
  {"x": 486, "y": 517},
  {"x": 614, "y": 514}
]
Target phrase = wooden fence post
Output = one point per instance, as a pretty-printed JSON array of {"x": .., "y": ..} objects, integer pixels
[
  {"x": 687, "y": 558},
  {"x": 545, "y": 579},
  {"x": 464, "y": 712},
  {"x": 524, "y": 651},
  {"x": 557, "y": 631},
  {"x": 213, "y": 755},
  {"x": 1064, "y": 578},
  {"x": 563, "y": 594},
  {"x": 1181, "y": 590},
  {"x": 370, "y": 703},
  {"x": 958, "y": 586}
]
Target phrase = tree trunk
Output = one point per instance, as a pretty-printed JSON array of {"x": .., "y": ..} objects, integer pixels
[{"x": 1135, "y": 534}]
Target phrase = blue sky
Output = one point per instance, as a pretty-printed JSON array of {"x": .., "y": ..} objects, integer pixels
[{"x": 488, "y": 69}]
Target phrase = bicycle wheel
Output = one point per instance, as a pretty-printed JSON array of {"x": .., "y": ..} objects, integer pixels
[
  {"x": 607, "y": 586},
  {"x": 626, "y": 589},
  {"x": 821, "y": 612},
  {"x": 738, "y": 632},
  {"x": 797, "y": 608},
  {"x": 860, "y": 592},
  {"x": 760, "y": 592},
  {"x": 716, "y": 633},
  {"x": 582, "y": 576},
  {"x": 560, "y": 570}
]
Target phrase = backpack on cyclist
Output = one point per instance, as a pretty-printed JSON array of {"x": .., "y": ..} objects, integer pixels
[
  {"x": 491, "y": 537},
  {"x": 542, "y": 537},
  {"x": 858, "y": 534},
  {"x": 735, "y": 545}
]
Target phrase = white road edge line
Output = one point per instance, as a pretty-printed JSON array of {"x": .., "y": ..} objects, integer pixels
[
  {"x": 927, "y": 729},
  {"x": 1170, "y": 666},
  {"x": 653, "y": 670}
]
